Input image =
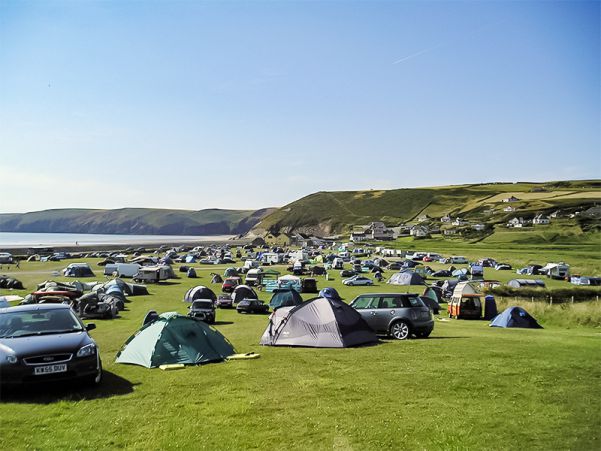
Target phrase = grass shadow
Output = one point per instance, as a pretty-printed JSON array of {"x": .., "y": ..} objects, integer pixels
[{"x": 111, "y": 385}]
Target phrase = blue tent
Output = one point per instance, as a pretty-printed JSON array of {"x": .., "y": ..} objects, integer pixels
[{"x": 515, "y": 317}]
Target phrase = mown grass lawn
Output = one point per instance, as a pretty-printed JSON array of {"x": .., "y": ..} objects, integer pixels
[{"x": 468, "y": 386}]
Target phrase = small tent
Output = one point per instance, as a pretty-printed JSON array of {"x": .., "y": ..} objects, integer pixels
[
  {"x": 174, "y": 338},
  {"x": 199, "y": 292},
  {"x": 230, "y": 272},
  {"x": 406, "y": 278},
  {"x": 243, "y": 292},
  {"x": 285, "y": 297},
  {"x": 78, "y": 270},
  {"x": 318, "y": 323},
  {"x": 515, "y": 317}
]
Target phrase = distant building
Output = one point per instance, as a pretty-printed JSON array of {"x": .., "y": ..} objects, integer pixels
[
  {"x": 423, "y": 218},
  {"x": 516, "y": 223},
  {"x": 541, "y": 219},
  {"x": 511, "y": 199},
  {"x": 445, "y": 219},
  {"x": 478, "y": 227},
  {"x": 459, "y": 222},
  {"x": 419, "y": 231},
  {"x": 509, "y": 208},
  {"x": 372, "y": 231}
]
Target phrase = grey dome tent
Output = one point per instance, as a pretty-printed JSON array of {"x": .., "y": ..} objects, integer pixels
[
  {"x": 285, "y": 297},
  {"x": 318, "y": 323},
  {"x": 200, "y": 292},
  {"x": 243, "y": 292},
  {"x": 515, "y": 317},
  {"x": 230, "y": 272},
  {"x": 406, "y": 278},
  {"x": 174, "y": 338}
]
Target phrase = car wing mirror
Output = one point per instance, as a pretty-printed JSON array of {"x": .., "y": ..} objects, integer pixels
[{"x": 90, "y": 326}]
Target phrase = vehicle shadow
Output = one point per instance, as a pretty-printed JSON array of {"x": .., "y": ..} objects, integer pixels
[
  {"x": 222, "y": 323},
  {"x": 111, "y": 385}
]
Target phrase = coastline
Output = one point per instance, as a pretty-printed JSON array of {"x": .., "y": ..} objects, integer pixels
[{"x": 123, "y": 242}]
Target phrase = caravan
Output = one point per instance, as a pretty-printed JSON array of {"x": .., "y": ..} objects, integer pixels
[{"x": 122, "y": 269}]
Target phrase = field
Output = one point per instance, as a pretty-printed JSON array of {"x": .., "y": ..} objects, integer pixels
[{"x": 468, "y": 386}]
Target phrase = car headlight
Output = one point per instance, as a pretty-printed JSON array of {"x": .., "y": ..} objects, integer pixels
[
  {"x": 87, "y": 350},
  {"x": 11, "y": 358}
]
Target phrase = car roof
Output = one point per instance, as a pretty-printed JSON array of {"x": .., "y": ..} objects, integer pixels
[
  {"x": 34, "y": 307},
  {"x": 387, "y": 294}
]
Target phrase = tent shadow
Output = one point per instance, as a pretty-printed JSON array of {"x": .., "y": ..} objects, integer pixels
[{"x": 111, "y": 385}]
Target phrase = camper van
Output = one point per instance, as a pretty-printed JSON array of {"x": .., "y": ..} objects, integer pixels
[
  {"x": 250, "y": 264},
  {"x": 122, "y": 269},
  {"x": 152, "y": 274},
  {"x": 337, "y": 263},
  {"x": 468, "y": 302},
  {"x": 254, "y": 277},
  {"x": 298, "y": 255},
  {"x": 557, "y": 271},
  {"x": 271, "y": 258},
  {"x": 6, "y": 257}
]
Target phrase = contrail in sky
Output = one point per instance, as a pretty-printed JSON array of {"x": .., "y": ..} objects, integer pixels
[{"x": 443, "y": 44}]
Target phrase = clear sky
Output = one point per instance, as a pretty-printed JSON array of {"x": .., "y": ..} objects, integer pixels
[{"x": 195, "y": 104}]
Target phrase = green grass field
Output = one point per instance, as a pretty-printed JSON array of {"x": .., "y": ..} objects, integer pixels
[{"x": 467, "y": 387}]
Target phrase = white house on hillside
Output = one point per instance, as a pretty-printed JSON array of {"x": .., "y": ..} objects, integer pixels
[
  {"x": 510, "y": 199},
  {"x": 541, "y": 219}
]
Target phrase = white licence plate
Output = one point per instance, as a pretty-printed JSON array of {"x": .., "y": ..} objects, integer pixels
[{"x": 49, "y": 369}]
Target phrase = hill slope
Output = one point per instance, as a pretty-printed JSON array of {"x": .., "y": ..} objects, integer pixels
[
  {"x": 143, "y": 221},
  {"x": 324, "y": 213}
]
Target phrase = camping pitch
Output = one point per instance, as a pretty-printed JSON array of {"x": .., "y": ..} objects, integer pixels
[
  {"x": 318, "y": 323},
  {"x": 175, "y": 339}
]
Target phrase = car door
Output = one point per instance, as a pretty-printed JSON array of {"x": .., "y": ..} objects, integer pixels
[
  {"x": 388, "y": 307},
  {"x": 367, "y": 307}
]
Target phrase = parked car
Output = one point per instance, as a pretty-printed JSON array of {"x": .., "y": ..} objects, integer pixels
[
  {"x": 230, "y": 283},
  {"x": 347, "y": 273},
  {"x": 46, "y": 342},
  {"x": 357, "y": 280},
  {"x": 252, "y": 306},
  {"x": 395, "y": 266},
  {"x": 397, "y": 315},
  {"x": 203, "y": 309},
  {"x": 503, "y": 267},
  {"x": 458, "y": 260},
  {"x": 224, "y": 301}
]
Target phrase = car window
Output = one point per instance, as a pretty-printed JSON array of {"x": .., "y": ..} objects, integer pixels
[
  {"x": 412, "y": 301},
  {"x": 390, "y": 302},
  {"x": 364, "y": 302}
]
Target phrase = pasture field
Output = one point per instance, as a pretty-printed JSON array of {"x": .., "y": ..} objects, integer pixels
[{"x": 466, "y": 387}]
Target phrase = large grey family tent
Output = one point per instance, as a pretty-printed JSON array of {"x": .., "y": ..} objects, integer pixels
[
  {"x": 78, "y": 270},
  {"x": 515, "y": 317},
  {"x": 285, "y": 297},
  {"x": 200, "y": 292},
  {"x": 526, "y": 283},
  {"x": 406, "y": 278},
  {"x": 174, "y": 338},
  {"x": 318, "y": 323},
  {"x": 243, "y": 292}
]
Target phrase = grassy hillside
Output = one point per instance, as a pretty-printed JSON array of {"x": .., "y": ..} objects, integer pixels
[
  {"x": 134, "y": 221},
  {"x": 331, "y": 212}
]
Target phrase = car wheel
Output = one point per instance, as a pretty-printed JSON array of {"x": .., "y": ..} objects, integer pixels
[{"x": 400, "y": 330}]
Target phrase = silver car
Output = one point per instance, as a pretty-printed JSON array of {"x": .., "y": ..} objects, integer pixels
[{"x": 397, "y": 315}]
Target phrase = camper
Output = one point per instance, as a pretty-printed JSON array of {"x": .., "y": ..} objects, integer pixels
[
  {"x": 338, "y": 263},
  {"x": 271, "y": 258},
  {"x": 122, "y": 269},
  {"x": 153, "y": 274},
  {"x": 557, "y": 271},
  {"x": 254, "y": 277},
  {"x": 5, "y": 257},
  {"x": 468, "y": 302}
]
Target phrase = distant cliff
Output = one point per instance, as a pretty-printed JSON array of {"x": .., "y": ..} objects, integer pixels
[{"x": 140, "y": 221}]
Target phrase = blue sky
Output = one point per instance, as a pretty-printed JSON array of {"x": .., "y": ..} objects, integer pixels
[{"x": 252, "y": 104}]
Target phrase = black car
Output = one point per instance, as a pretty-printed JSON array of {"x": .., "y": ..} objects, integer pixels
[
  {"x": 204, "y": 310},
  {"x": 252, "y": 306},
  {"x": 46, "y": 342}
]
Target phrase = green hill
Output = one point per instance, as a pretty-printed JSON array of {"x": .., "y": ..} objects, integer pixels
[
  {"x": 326, "y": 213},
  {"x": 143, "y": 221}
]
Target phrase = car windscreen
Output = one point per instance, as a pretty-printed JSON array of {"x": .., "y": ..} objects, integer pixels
[
  {"x": 45, "y": 322},
  {"x": 202, "y": 305}
]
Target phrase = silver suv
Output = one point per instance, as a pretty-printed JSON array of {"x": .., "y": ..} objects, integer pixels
[{"x": 397, "y": 315}]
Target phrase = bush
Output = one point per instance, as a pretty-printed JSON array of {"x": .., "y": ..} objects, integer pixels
[{"x": 559, "y": 295}]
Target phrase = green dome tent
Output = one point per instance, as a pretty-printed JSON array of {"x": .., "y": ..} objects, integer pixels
[{"x": 175, "y": 338}]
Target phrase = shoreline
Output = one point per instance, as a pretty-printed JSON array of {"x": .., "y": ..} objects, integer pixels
[{"x": 122, "y": 244}]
